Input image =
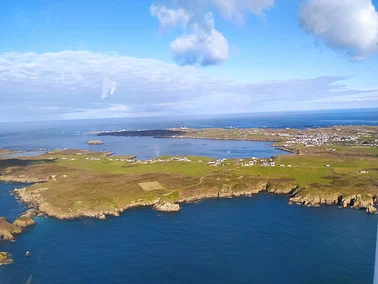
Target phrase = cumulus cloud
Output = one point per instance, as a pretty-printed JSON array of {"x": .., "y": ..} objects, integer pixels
[
  {"x": 203, "y": 45},
  {"x": 67, "y": 85},
  {"x": 170, "y": 17},
  {"x": 345, "y": 25},
  {"x": 200, "y": 43}
]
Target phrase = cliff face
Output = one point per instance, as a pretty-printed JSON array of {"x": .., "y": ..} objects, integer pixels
[
  {"x": 35, "y": 199},
  {"x": 8, "y": 230},
  {"x": 297, "y": 196},
  {"x": 22, "y": 179},
  {"x": 5, "y": 258},
  {"x": 26, "y": 220},
  {"x": 166, "y": 206},
  {"x": 311, "y": 199},
  {"x": 356, "y": 201}
]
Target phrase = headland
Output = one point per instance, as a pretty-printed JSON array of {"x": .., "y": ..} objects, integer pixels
[{"x": 329, "y": 166}]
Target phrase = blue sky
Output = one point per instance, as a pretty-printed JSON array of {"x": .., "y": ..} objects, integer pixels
[{"x": 94, "y": 59}]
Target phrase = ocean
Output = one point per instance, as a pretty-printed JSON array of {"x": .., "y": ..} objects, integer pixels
[{"x": 241, "y": 240}]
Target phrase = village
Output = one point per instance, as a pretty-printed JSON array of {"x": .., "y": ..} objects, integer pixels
[
  {"x": 309, "y": 137},
  {"x": 246, "y": 162}
]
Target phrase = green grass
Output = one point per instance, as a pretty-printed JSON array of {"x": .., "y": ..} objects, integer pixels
[
  {"x": 100, "y": 185},
  {"x": 302, "y": 175},
  {"x": 116, "y": 167}
]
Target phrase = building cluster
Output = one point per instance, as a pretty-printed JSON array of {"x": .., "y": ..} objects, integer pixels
[
  {"x": 311, "y": 138},
  {"x": 257, "y": 162},
  {"x": 217, "y": 163},
  {"x": 246, "y": 162},
  {"x": 319, "y": 139},
  {"x": 162, "y": 160}
]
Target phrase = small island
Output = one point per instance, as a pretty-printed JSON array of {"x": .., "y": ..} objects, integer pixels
[
  {"x": 5, "y": 258},
  {"x": 328, "y": 166},
  {"x": 95, "y": 142}
]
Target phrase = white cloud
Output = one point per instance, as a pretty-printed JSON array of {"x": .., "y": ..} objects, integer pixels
[
  {"x": 170, "y": 17},
  {"x": 235, "y": 9},
  {"x": 200, "y": 43},
  {"x": 345, "y": 25},
  {"x": 203, "y": 45},
  {"x": 68, "y": 84}
]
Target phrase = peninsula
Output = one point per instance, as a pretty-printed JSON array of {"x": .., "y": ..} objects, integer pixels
[{"x": 335, "y": 165}]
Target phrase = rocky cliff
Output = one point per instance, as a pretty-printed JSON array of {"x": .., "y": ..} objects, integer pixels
[
  {"x": 26, "y": 220},
  {"x": 5, "y": 258},
  {"x": 356, "y": 201},
  {"x": 8, "y": 231},
  {"x": 296, "y": 195},
  {"x": 166, "y": 206}
]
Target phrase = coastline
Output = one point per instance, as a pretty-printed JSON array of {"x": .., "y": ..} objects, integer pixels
[
  {"x": 354, "y": 201},
  {"x": 84, "y": 177}
]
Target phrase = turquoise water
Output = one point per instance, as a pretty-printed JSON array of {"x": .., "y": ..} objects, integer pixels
[{"x": 243, "y": 240}]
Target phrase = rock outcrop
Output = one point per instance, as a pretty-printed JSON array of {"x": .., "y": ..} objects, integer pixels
[
  {"x": 26, "y": 220},
  {"x": 35, "y": 199},
  {"x": 5, "y": 258},
  {"x": 95, "y": 142},
  {"x": 8, "y": 230},
  {"x": 312, "y": 199},
  {"x": 22, "y": 179},
  {"x": 166, "y": 206},
  {"x": 297, "y": 195},
  {"x": 280, "y": 188},
  {"x": 356, "y": 201},
  {"x": 371, "y": 210}
]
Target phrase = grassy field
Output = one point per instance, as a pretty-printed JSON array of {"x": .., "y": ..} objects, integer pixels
[{"x": 80, "y": 180}]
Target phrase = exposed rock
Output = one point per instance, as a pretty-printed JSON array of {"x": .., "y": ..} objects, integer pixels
[
  {"x": 5, "y": 258},
  {"x": 26, "y": 220},
  {"x": 22, "y": 179},
  {"x": 358, "y": 201},
  {"x": 371, "y": 210},
  {"x": 297, "y": 195},
  {"x": 31, "y": 213},
  {"x": 311, "y": 199},
  {"x": 167, "y": 206},
  {"x": 280, "y": 188},
  {"x": 8, "y": 230},
  {"x": 355, "y": 201},
  {"x": 95, "y": 142},
  {"x": 23, "y": 222},
  {"x": 35, "y": 199}
]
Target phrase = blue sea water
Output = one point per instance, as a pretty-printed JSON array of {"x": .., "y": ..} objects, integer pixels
[{"x": 242, "y": 240}]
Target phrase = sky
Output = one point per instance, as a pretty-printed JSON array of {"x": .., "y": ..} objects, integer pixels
[{"x": 124, "y": 58}]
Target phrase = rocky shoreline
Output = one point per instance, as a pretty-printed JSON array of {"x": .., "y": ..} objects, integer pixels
[
  {"x": 5, "y": 258},
  {"x": 22, "y": 179},
  {"x": 8, "y": 230},
  {"x": 355, "y": 201}
]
